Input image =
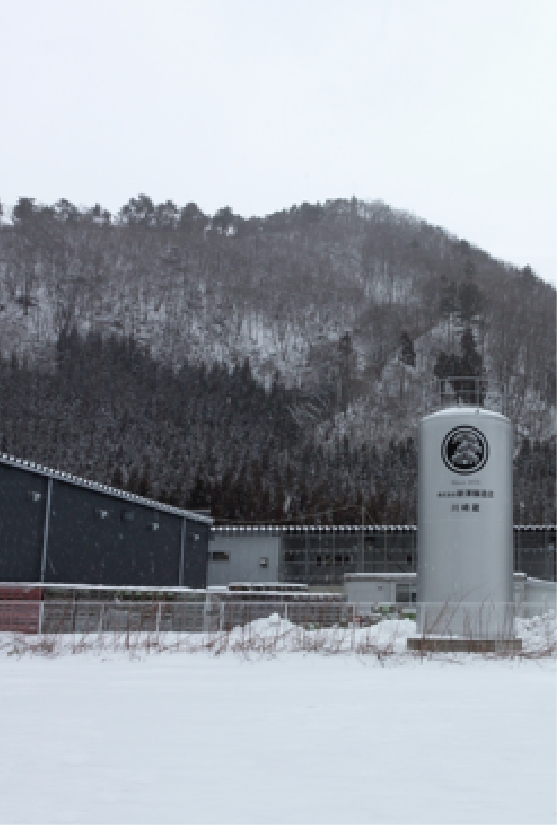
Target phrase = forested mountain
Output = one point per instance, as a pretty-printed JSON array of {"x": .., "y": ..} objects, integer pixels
[{"x": 270, "y": 368}]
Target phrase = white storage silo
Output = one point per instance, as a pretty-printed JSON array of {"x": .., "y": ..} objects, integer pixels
[{"x": 465, "y": 531}]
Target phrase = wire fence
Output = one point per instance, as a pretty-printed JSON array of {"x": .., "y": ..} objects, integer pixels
[
  {"x": 271, "y": 626},
  {"x": 65, "y": 616}
]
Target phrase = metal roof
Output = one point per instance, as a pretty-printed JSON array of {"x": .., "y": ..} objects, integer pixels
[
  {"x": 114, "y": 492},
  {"x": 232, "y": 529}
]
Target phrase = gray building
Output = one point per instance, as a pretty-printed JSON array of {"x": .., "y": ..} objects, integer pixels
[
  {"x": 321, "y": 556},
  {"x": 56, "y": 528},
  {"x": 317, "y": 556},
  {"x": 244, "y": 555}
]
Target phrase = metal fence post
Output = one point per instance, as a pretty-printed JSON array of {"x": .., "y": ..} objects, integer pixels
[
  {"x": 205, "y": 626},
  {"x": 362, "y": 562},
  {"x": 158, "y": 619}
]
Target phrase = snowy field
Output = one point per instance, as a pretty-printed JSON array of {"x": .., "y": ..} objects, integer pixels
[{"x": 105, "y": 736}]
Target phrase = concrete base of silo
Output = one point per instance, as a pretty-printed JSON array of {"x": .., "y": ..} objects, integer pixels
[{"x": 448, "y": 644}]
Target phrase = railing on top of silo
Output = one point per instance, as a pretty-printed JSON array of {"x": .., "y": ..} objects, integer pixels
[{"x": 466, "y": 391}]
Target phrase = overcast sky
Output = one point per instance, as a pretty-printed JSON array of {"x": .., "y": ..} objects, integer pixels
[{"x": 443, "y": 108}]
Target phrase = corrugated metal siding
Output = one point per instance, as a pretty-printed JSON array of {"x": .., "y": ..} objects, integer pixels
[
  {"x": 118, "y": 548},
  {"x": 21, "y": 524},
  {"x": 94, "y": 536},
  {"x": 195, "y": 554}
]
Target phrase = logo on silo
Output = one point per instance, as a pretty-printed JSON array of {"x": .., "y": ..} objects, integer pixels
[{"x": 464, "y": 450}]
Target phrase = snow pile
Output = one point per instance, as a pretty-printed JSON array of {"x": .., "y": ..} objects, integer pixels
[
  {"x": 539, "y": 634},
  {"x": 278, "y": 635}
]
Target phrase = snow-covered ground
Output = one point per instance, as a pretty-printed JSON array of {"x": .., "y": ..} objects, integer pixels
[{"x": 106, "y": 736}]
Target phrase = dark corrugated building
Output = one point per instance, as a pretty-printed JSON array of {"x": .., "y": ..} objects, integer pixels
[{"x": 57, "y": 528}]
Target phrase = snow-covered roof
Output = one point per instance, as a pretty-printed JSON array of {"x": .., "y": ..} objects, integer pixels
[
  {"x": 101, "y": 588},
  {"x": 232, "y": 529}
]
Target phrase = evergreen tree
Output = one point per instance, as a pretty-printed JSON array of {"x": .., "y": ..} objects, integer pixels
[
  {"x": 407, "y": 352},
  {"x": 470, "y": 301}
]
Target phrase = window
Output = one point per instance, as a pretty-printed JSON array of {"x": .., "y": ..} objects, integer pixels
[
  {"x": 128, "y": 515},
  {"x": 35, "y": 496},
  {"x": 263, "y": 561},
  {"x": 221, "y": 555},
  {"x": 102, "y": 514},
  {"x": 403, "y": 593}
]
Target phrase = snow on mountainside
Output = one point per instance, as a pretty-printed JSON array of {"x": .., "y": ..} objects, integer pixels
[{"x": 278, "y": 290}]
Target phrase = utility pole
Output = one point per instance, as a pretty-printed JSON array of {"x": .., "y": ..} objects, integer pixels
[
  {"x": 520, "y": 566},
  {"x": 363, "y": 522}
]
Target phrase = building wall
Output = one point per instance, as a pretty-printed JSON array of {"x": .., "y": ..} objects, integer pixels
[
  {"x": 322, "y": 557},
  {"x": 541, "y": 594},
  {"x": 22, "y": 521},
  {"x": 532, "y": 596},
  {"x": 238, "y": 558},
  {"x": 534, "y": 553},
  {"x": 94, "y": 537},
  {"x": 363, "y": 588},
  {"x": 195, "y": 554}
]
